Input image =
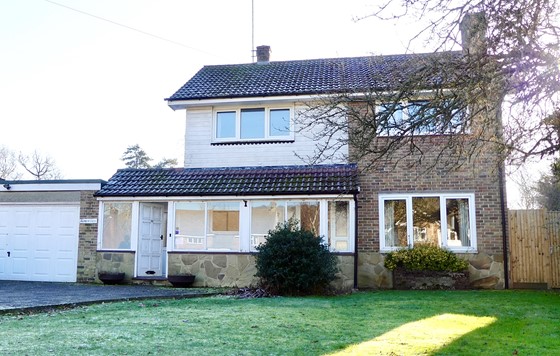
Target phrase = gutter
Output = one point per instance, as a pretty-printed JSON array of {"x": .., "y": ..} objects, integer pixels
[
  {"x": 504, "y": 227},
  {"x": 355, "y": 240}
]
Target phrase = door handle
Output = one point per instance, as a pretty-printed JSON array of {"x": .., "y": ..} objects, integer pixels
[
  {"x": 8, "y": 253},
  {"x": 161, "y": 237}
]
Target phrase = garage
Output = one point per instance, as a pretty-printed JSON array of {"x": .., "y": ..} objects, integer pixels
[
  {"x": 41, "y": 225},
  {"x": 39, "y": 243}
]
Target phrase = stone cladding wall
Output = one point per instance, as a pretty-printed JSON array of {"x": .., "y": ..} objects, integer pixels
[
  {"x": 238, "y": 270},
  {"x": 87, "y": 241}
]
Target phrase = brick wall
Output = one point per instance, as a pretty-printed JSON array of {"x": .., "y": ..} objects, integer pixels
[
  {"x": 479, "y": 176},
  {"x": 87, "y": 245}
]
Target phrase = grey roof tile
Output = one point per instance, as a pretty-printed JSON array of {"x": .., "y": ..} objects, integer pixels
[
  {"x": 306, "y": 77},
  {"x": 317, "y": 179}
]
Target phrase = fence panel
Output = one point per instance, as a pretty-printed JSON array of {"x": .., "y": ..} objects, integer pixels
[
  {"x": 530, "y": 257},
  {"x": 554, "y": 235}
]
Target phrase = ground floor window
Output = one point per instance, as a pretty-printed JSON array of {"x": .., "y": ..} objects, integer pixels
[
  {"x": 117, "y": 226},
  {"x": 445, "y": 220},
  {"x": 244, "y": 225},
  {"x": 236, "y": 225}
]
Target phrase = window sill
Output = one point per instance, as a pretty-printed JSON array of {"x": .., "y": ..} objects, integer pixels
[
  {"x": 454, "y": 250},
  {"x": 116, "y": 250},
  {"x": 256, "y": 142}
]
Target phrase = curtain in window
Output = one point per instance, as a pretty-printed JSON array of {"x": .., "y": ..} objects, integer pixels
[
  {"x": 390, "y": 232},
  {"x": 464, "y": 225}
]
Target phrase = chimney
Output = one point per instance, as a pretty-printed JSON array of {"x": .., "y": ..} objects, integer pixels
[
  {"x": 263, "y": 54},
  {"x": 473, "y": 33}
]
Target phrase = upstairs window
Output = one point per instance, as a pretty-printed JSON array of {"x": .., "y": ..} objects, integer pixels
[
  {"x": 225, "y": 124},
  {"x": 253, "y": 124},
  {"x": 420, "y": 117}
]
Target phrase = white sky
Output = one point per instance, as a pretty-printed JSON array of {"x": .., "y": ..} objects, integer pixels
[{"x": 82, "y": 90}]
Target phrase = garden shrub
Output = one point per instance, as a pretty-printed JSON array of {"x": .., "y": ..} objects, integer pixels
[
  {"x": 293, "y": 261},
  {"x": 425, "y": 258}
]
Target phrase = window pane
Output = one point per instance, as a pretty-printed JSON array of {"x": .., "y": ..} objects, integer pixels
[
  {"x": 422, "y": 117},
  {"x": 252, "y": 123},
  {"x": 225, "y": 124},
  {"x": 339, "y": 232},
  {"x": 265, "y": 215},
  {"x": 279, "y": 122},
  {"x": 426, "y": 220},
  {"x": 395, "y": 223},
  {"x": 390, "y": 119},
  {"x": 307, "y": 213},
  {"x": 189, "y": 226},
  {"x": 223, "y": 225},
  {"x": 117, "y": 223},
  {"x": 458, "y": 223}
]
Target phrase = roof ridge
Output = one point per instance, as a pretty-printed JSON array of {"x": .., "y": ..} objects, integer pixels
[{"x": 333, "y": 59}]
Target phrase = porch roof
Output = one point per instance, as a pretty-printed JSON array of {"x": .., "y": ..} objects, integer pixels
[{"x": 271, "y": 180}]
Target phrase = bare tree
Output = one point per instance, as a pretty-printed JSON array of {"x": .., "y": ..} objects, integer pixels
[
  {"x": 8, "y": 164},
  {"x": 508, "y": 67},
  {"x": 528, "y": 189},
  {"x": 41, "y": 167}
]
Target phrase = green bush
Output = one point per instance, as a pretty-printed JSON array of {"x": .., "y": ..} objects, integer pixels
[
  {"x": 425, "y": 258},
  {"x": 293, "y": 261}
]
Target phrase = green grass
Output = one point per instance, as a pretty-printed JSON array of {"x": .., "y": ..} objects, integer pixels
[{"x": 378, "y": 323}]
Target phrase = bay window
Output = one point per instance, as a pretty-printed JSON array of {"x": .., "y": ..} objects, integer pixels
[{"x": 445, "y": 220}]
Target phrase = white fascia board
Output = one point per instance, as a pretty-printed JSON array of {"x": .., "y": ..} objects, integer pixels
[
  {"x": 183, "y": 104},
  {"x": 45, "y": 187},
  {"x": 228, "y": 197}
]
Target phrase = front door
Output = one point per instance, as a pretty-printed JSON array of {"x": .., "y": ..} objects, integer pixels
[{"x": 150, "y": 241}]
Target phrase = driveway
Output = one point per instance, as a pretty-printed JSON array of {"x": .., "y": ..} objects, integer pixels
[{"x": 16, "y": 295}]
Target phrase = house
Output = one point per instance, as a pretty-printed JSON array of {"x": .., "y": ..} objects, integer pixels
[{"x": 245, "y": 172}]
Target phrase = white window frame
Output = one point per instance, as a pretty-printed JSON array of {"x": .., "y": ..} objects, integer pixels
[
  {"x": 133, "y": 229},
  {"x": 443, "y": 218},
  {"x": 404, "y": 108},
  {"x": 266, "y": 137},
  {"x": 245, "y": 217}
]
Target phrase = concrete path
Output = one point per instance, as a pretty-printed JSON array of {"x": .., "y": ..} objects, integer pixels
[{"x": 17, "y": 295}]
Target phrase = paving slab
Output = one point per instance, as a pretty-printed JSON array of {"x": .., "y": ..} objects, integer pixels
[{"x": 16, "y": 295}]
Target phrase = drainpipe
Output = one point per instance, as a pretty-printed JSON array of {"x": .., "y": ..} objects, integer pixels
[
  {"x": 355, "y": 240},
  {"x": 504, "y": 228}
]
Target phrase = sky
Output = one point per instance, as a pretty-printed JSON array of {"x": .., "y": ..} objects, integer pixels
[{"x": 81, "y": 80}]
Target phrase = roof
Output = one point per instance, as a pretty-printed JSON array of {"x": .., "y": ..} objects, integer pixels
[
  {"x": 272, "y": 180},
  {"x": 308, "y": 77}
]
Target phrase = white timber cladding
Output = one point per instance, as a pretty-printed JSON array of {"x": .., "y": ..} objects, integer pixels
[{"x": 201, "y": 152}]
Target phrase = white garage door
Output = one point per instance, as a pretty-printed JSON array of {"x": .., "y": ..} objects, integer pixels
[{"x": 39, "y": 242}]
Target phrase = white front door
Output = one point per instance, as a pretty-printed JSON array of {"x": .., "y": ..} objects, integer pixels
[
  {"x": 150, "y": 241},
  {"x": 39, "y": 242}
]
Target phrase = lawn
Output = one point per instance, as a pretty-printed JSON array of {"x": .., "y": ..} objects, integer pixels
[{"x": 377, "y": 323}]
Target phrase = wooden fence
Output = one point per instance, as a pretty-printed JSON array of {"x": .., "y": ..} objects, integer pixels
[{"x": 534, "y": 248}]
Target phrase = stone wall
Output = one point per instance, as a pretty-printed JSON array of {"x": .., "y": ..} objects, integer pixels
[
  {"x": 87, "y": 242},
  {"x": 108, "y": 261},
  {"x": 485, "y": 271},
  {"x": 238, "y": 270}
]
